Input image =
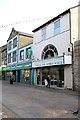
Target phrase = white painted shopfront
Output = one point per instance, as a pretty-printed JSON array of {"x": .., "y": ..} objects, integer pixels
[{"x": 57, "y": 68}]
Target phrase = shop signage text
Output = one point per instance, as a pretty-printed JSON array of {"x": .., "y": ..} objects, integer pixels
[
  {"x": 19, "y": 66},
  {"x": 64, "y": 60},
  {"x": 50, "y": 62}
]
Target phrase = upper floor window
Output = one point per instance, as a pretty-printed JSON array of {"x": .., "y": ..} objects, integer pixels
[
  {"x": 22, "y": 55},
  {"x": 57, "y": 27},
  {"x": 49, "y": 51},
  {"x": 14, "y": 56},
  {"x": 9, "y": 58},
  {"x": 28, "y": 53},
  {"x": 14, "y": 42},
  {"x": 43, "y": 33},
  {"x": 9, "y": 45}
]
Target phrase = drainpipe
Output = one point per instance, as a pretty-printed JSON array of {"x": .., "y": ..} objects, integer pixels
[
  {"x": 72, "y": 51},
  {"x": 73, "y": 66}
]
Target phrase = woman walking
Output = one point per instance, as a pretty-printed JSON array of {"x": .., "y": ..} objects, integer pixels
[{"x": 49, "y": 81}]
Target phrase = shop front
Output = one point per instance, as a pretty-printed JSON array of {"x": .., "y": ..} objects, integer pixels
[
  {"x": 21, "y": 72},
  {"x": 3, "y": 72},
  {"x": 56, "y": 68},
  {"x": 56, "y": 75},
  {"x": 24, "y": 76}
]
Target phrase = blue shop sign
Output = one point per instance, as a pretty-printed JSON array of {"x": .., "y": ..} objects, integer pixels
[
  {"x": 29, "y": 52},
  {"x": 24, "y": 65},
  {"x": 12, "y": 67},
  {"x": 20, "y": 66}
]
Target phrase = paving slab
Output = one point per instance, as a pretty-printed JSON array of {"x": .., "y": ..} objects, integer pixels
[{"x": 30, "y": 101}]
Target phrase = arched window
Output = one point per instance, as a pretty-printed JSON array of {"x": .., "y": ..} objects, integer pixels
[{"x": 49, "y": 51}]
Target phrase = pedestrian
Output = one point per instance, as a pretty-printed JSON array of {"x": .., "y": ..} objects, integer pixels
[
  {"x": 11, "y": 80},
  {"x": 48, "y": 81}
]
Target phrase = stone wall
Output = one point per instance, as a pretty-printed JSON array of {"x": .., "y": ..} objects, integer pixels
[
  {"x": 77, "y": 65},
  {"x": 0, "y": 56}
]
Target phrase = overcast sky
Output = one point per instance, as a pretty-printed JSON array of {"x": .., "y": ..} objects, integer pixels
[{"x": 26, "y": 15}]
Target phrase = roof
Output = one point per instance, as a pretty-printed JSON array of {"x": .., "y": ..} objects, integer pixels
[
  {"x": 53, "y": 19},
  {"x": 15, "y": 32},
  {"x": 25, "y": 34}
]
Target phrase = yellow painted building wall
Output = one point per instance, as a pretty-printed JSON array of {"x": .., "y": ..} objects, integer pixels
[
  {"x": 24, "y": 40},
  {"x": 75, "y": 24},
  {"x": 79, "y": 23}
]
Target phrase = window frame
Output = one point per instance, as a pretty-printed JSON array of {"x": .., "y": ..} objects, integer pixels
[
  {"x": 49, "y": 47},
  {"x": 43, "y": 33},
  {"x": 14, "y": 56},
  {"x": 57, "y": 27},
  {"x": 22, "y": 56},
  {"x": 15, "y": 42},
  {"x": 10, "y": 45},
  {"x": 9, "y": 58}
]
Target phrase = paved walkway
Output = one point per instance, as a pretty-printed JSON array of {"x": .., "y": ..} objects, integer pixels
[{"x": 29, "y": 101}]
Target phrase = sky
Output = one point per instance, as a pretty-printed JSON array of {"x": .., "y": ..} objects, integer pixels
[{"x": 26, "y": 15}]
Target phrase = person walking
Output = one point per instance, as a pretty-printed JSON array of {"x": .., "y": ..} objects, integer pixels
[
  {"x": 11, "y": 80},
  {"x": 46, "y": 83},
  {"x": 49, "y": 81}
]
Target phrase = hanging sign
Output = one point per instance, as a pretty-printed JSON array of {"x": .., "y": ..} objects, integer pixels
[{"x": 28, "y": 52}]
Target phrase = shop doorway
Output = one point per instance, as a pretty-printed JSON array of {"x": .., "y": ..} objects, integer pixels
[
  {"x": 19, "y": 72},
  {"x": 14, "y": 74}
]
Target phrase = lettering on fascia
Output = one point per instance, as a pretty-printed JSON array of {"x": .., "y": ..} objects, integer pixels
[
  {"x": 12, "y": 67},
  {"x": 27, "y": 65},
  {"x": 19, "y": 66}
]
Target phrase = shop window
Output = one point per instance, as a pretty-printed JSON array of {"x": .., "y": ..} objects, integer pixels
[
  {"x": 28, "y": 53},
  {"x": 43, "y": 33},
  {"x": 9, "y": 58},
  {"x": 14, "y": 56},
  {"x": 56, "y": 76},
  {"x": 57, "y": 27},
  {"x": 49, "y": 52},
  {"x": 22, "y": 55},
  {"x": 15, "y": 42}
]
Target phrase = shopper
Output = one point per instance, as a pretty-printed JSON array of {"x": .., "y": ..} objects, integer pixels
[
  {"x": 49, "y": 81},
  {"x": 46, "y": 83},
  {"x": 11, "y": 80}
]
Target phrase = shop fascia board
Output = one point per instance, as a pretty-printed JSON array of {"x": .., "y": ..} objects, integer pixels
[{"x": 62, "y": 60}]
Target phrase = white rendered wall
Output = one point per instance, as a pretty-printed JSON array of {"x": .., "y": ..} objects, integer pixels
[
  {"x": 61, "y": 41},
  {"x": 68, "y": 77}
]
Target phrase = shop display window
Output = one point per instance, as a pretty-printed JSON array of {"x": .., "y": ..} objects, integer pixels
[{"x": 56, "y": 75}]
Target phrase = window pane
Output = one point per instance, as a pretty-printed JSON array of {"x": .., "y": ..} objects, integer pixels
[
  {"x": 57, "y": 24},
  {"x": 22, "y": 55},
  {"x": 57, "y": 27},
  {"x": 9, "y": 45},
  {"x": 9, "y": 58},
  {"x": 43, "y": 33},
  {"x": 15, "y": 42},
  {"x": 56, "y": 31},
  {"x": 14, "y": 56}
]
